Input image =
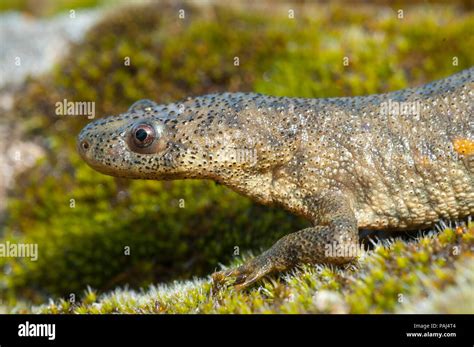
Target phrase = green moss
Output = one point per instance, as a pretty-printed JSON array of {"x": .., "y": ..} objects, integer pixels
[
  {"x": 164, "y": 240},
  {"x": 377, "y": 284}
]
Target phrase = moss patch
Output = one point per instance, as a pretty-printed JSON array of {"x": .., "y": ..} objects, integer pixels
[{"x": 390, "y": 278}]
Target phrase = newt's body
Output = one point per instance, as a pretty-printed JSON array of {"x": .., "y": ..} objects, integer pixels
[{"x": 395, "y": 161}]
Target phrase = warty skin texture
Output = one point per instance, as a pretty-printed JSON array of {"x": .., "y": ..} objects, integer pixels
[{"x": 396, "y": 161}]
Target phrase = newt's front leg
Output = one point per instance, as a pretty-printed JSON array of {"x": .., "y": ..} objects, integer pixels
[{"x": 337, "y": 228}]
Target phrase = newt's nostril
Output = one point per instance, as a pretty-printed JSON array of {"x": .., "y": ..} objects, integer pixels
[{"x": 85, "y": 145}]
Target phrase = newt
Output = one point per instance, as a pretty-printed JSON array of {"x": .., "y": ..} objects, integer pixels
[{"x": 397, "y": 161}]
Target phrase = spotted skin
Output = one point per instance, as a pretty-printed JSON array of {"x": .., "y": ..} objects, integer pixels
[{"x": 396, "y": 161}]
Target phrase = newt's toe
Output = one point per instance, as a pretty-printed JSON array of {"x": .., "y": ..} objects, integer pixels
[{"x": 245, "y": 275}]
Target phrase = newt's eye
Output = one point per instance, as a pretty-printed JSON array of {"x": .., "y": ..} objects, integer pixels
[{"x": 143, "y": 135}]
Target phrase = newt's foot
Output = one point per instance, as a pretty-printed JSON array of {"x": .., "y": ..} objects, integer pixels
[
  {"x": 305, "y": 246},
  {"x": 246, "y": 274}
]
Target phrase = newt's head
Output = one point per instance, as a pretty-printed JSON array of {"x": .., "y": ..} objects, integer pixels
[
  {"x": 136, "y": 144},
  {"x": 200, "y": 138}
]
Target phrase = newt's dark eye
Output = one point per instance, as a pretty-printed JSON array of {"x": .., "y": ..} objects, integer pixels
[{"x": 143, "y": 135}]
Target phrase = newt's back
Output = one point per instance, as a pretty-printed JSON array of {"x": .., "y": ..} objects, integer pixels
[{"x": 406, "y": 158}]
